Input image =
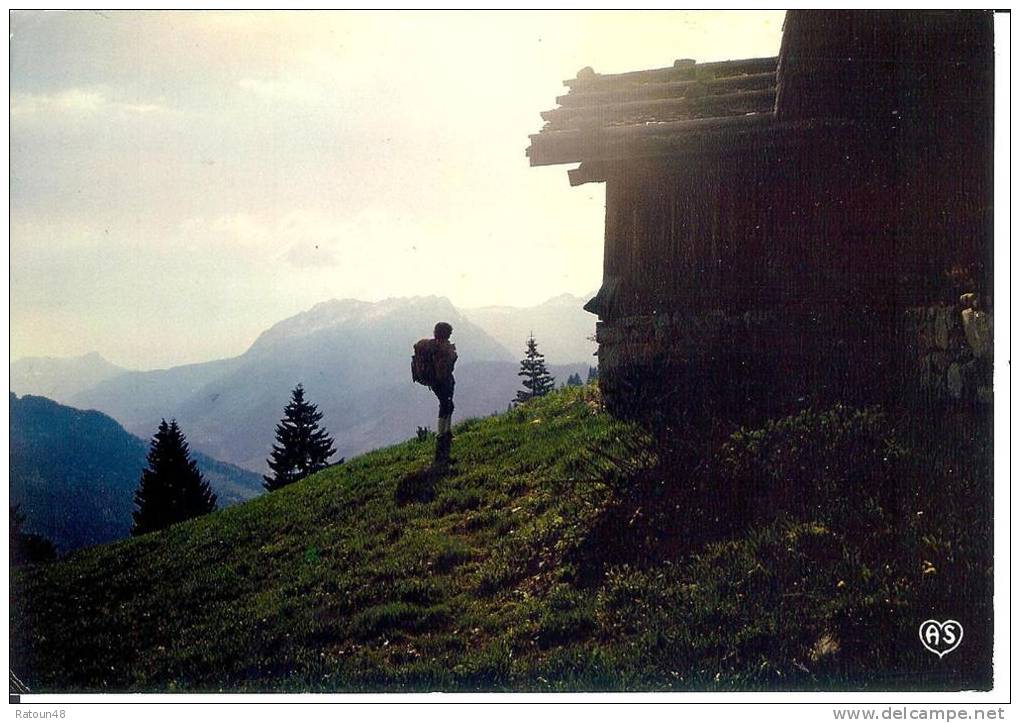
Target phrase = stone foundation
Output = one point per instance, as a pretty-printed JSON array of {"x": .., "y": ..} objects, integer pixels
[
  {"x": 767, "y": 362},
  {"x": 950, "y": 351}
]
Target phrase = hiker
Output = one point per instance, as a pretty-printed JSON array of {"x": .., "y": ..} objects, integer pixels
[{"x": 432, "y": 365}]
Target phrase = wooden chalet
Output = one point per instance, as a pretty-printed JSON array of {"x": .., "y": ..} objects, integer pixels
[{"x": 772, "y": 224}]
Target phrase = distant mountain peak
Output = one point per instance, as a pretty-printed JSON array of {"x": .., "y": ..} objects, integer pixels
[
  {"x": 60, "y": 378},
  {"x": 390, "y": 302},
  {"x": 335, "y": 306},
  {"x": 565, "y": 299},
  {"x": 91, "y": 357},
  {"x": 336, "y": 313},
  {"x": 560, "y": 324}
]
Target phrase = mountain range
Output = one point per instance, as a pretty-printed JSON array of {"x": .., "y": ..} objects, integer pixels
[
  {"x": 60, "y": 378},
  {"x": 353, "y": 358},
  {"x": 563, "y": 328},
  {"x": 74, "y": 473}
]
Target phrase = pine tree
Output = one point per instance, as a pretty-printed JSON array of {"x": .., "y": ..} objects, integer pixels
[
  {"x": 302, "y": 447},
  {"x": 172, "y": 489},
  {"x": 593, "y": 374},
  {"x": 574, "y": 380},
  {"x": 537, "y": 380}
]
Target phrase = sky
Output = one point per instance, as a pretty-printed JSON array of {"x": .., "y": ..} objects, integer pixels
[{"x": 180, "y": 181}]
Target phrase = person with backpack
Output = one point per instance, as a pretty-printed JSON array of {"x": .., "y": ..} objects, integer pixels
[{"x": 432, "y": 366}]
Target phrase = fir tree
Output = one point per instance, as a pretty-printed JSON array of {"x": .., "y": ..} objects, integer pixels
[
  {"x": 574, "y": 380},
  {"x": 593, "y": 374},
  {"x": 172, "y": 488},
  {"x": 537, "y": 380},
  {"x": 301, "y": 446}
]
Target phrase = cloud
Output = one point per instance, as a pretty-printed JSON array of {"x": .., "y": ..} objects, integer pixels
[
  {"x": 73, "y": 100},
  {"x": 74, "y": 103}
]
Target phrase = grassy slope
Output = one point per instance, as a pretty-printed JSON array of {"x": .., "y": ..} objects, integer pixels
[{"x": 332, "y": 584}]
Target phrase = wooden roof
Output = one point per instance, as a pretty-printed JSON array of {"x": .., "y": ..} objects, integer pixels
[{"x": 654, "y": 112}]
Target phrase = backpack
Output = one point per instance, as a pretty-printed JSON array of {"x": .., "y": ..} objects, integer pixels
[{"x": 423, "y": 363}]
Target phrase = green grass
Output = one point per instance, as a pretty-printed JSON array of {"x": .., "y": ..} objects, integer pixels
[{"x": 485, "y": 581}]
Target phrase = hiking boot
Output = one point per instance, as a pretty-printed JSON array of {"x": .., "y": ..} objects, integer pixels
[{"x": 443, "y": 442}]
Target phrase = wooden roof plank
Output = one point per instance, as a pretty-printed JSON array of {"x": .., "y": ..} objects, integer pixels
[
  {"x": 754, "y": 101},
  {"x": 670, "y": 89},
  {"x": 676, "y": 72},
  {"x": 601, "y": 150},
  {"x": 605, "y": 115}
]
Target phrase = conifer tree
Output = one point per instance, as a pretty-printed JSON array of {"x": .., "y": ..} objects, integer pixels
[
  {"x": 301, "y": 446},
  {"x": 593, "y": 374},
  {"x": 574, "y": 380},
  {"x": 172, "y": 489},
  {"x": 537, "y": 380}
]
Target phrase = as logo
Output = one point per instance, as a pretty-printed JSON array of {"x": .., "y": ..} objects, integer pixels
[{"x": 941, "y": 638}]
